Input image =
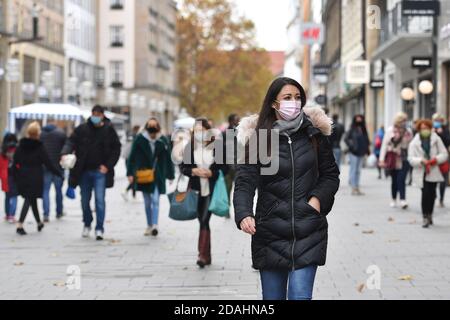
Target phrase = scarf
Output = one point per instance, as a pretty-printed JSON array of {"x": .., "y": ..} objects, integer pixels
[{"x": 288, "y": 128}]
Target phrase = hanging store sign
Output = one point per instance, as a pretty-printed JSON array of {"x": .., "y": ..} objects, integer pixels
[
  {"x": 377, "y": 84},
  {"x": 312, "y": 33},
  {"x": 358, "y": 72},
  {"x": 421, "y": 62},
  {"x": 421, "y": 8}
]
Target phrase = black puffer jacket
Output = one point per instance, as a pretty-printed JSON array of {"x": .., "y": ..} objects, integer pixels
[
  {"x": 88, "y": 143},
  {"x": 28, "y": 168},
  {"x": 53, "y": 140},
  {"x": 290, "y": 234}
]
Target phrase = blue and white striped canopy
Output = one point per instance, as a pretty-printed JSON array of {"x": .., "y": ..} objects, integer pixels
[{"x": 45, "y": 111}]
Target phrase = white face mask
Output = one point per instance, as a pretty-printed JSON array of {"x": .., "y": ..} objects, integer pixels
[{"x": 289, "y": 110}]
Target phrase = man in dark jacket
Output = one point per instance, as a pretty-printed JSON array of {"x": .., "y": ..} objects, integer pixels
[
  {"x": 97, "y": 148},
  {"x": 53, "y": 140},
  {"x": 336, "y": 138}
]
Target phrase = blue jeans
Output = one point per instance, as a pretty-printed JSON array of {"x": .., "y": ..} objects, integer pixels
[
  {"x": 355, "y": 170},
  {"x": 93, "y": 181},
  {"x": 151, "y": 201},
  {"x": 337, "y": 155},
  {"x": 50, "y": 178},
  {"x": 10, "y": 205},
  {"x": 297, "y": 285}
]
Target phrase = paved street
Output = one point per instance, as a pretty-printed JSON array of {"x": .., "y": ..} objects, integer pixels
[{"x": 364, "y": 231}]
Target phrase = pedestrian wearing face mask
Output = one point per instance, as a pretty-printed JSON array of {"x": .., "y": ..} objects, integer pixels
[
  {"x": 394, "y": 151},
  {"x": 441, "y": 128},
  {"x": 426, "y": 153},
  {"x": 289, "y": 226},
  {"x": 199, "y": 164},
  {"x": 151, "y": 151},
  {"x": 358, "y": 144},
  {"x": 97, "y": 148}
]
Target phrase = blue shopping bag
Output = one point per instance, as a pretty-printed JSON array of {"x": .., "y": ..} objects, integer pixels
[
  {"x": 220, "y": 204},
  {"x": 70, "y": 193}
]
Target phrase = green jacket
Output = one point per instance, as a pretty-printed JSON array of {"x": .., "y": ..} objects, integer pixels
[{"x": 141, "y": 157}]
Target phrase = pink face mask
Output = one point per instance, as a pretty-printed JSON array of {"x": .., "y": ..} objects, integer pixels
[{"x": 289, "y": 110}]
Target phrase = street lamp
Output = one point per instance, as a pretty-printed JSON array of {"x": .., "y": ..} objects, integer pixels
[
  {"x": 110, "y": 95},
  {"x": 142, "y": 102},
  {"x": 407, "y": 94},
  {"x": 134, "y": 100},
  {"x": 123, "y": 98},
  {"x": 426, "y": 87}
]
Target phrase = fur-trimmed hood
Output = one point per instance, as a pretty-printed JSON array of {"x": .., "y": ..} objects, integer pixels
[{"x": 316, "y": 115}]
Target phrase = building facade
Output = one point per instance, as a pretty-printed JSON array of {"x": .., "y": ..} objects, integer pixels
[
  {"x": 40, "y": 62},
  {"x": 80, "y": 51},
  {"x": 139, "y": 58}
]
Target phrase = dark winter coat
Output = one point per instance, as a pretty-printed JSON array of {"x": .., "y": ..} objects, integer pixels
[
  {"x": 29, "y": 161},
  {"x": 188, "y": 164},
  {"x": 357, "y": 141},
  {"x": 290, "y": 234},
  {"x": 142, "y": 157},
  {"x": 89, "y": 142},
  {"x": 53, "y": 140}
]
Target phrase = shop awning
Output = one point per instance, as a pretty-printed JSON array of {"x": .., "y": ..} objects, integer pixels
[{"x": 45, "y": 111}]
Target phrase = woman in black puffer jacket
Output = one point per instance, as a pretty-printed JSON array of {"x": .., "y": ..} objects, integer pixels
[
  {"x": 28, "y": 167},
  {"x": 289, "y": 228}
]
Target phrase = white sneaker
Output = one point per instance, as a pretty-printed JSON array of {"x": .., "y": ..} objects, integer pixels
[
  {"x": 404, "y": 204},
  {"x": 393, "y": 204},
  {"x": 148, "y": 231},
  {"x": 86, "y": 231},
  {"x": 99, "y": 235}
]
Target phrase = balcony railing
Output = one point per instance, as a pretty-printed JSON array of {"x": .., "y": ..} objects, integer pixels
[{"x": 394, "y": 24}]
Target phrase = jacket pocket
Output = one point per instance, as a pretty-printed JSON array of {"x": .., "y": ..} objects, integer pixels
[
  {"x": 311, "y": 209},
  {"x": 266, "y": 214}
]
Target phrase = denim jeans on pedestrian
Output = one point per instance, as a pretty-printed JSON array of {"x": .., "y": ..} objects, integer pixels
[
  {"x": 356, "y": 163},
  {"x": 49, "y": 179},
  {"x": 338, "y": 156},
  {"x": 398, "y": 185},
  {"x": 151, "y": 202},
  {"x": 93, "y": 181},
  {"x": 10, "y": 205},
  {"x": 296, "y": 285}
]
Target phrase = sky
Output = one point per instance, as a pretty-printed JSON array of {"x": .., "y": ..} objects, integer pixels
[{"x": 270, "y": 18}]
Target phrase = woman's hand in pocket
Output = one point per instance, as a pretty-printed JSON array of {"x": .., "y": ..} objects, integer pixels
[
  {"x": 315, "y": 203},
  {"x": 248, "y": 225}
]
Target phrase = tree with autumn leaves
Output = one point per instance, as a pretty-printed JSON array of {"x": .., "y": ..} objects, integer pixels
[{"x": 221, "y": 70}]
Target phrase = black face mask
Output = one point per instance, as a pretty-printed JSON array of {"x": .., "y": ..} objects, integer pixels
[{"x": 152, "y": 130}]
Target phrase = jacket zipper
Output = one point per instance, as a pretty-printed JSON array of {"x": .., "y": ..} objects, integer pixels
[{"x": 292, "y": 202}]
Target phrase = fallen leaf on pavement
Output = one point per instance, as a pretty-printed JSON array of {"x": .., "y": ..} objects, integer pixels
[
  {"x": 405, "y": 278},
  {"x": 368, "y": 232},
  {"x": 59, "y": 284},
  {"x": 361, "y": 287},
  {"x": 356, "y": 224},
  {"x": 391, "y": 219},
  {"x": 114, "y": 241},
  {"x": 18, "y": 264},
  {"x": 84, "y": 262}
]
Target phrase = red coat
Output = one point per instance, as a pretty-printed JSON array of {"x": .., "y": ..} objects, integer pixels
[{"x": 4, "y": 173}]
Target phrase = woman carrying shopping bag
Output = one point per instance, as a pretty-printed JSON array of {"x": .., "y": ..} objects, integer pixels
[
  {"x": 427, "y": 154},
  {"x": 200, "y": 166},
  {"x": 289, "y": 227},
  {"x": 149, "y": 166}
]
